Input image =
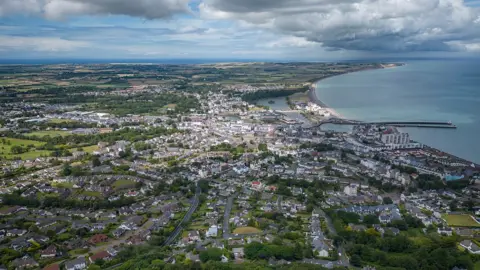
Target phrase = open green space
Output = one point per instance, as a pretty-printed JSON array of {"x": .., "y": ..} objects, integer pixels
[
  {"x": 59, "y": 121},
  {"x": 51, "y": 133},
  {"x": 91, "y": 193},
  {"x": 246, "y": 230},
  {"x": 6, "y": 145},
  {"x": 461, "y": 220},
  {"x": 90, "y": 149},
  {"x": 123, "y": 183}
]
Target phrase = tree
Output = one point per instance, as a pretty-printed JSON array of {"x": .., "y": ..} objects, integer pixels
[
  {"x": 387, "y": 200},
  {"x": 96, "y": 161},
  {"x": 66, "y": 170},
  {"x": 371, "y": 219},
  {"x": 453, "y": 205},
  {"x": 355, "y": 260},
  {"x": 211, "y": 254},
  {"x": 262, "y": 147}
]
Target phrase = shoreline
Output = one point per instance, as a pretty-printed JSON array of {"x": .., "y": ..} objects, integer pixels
[{"x": 312, "y": 95}]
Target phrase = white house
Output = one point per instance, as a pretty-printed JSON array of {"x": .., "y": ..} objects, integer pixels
[{"x": 212, "y": 231}]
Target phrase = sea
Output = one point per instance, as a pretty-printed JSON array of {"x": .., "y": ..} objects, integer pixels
[{"x": 421, "y": 90}]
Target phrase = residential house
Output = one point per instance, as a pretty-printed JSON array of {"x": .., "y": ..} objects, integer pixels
[
  {"x": 49, "y": 252},
  {"x": 76, "y": 264},
  {"x": 238, "y": 253},
  {"x": 98, "y": 238},
  {"x": 24, "y": 262},
  {"x": 470, "y": 246},
  {"x": 102, "y": 255},
  {"x": 212, "y": 231},
  {"x": 446, "y": 231}
]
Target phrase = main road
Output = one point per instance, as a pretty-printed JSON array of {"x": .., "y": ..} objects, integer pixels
[{"x": 186, "y": 218}]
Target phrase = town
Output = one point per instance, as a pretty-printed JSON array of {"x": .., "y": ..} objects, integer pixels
[{"x": 154, "y": 171}]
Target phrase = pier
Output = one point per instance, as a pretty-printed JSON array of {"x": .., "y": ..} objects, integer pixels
[{"x": 418, "y": 124}]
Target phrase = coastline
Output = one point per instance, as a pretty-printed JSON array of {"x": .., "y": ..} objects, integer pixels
[{"x": 312, "y": 95}]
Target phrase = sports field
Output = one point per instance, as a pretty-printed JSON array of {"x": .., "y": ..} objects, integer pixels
[{"x": 461, "y": 221}]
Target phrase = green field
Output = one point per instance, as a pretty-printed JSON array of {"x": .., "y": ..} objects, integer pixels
[
  {"x": 51, "y": 133},
  {"x": 246, "y": 230},
  {"x": 123, "y": 183},
  {"x": 6, "y": 145},
  {"x": 90, "y": 149},
  {"x": 59, "y": 121},
  {"x": 91, "y": 193},
  {"x": 461, "y": 221}
]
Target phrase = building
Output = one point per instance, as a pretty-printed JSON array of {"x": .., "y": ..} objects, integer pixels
[
  {"x": 98, "y": 238},
  {"x": 102, "y": 255},
  {"x": 393, "y": 137},
  {"x": 212, "y": 231},
  {"x": 76, "y": 264},
  {"x": 470, "y": 246},
  {"x": 351, "y": 190}
]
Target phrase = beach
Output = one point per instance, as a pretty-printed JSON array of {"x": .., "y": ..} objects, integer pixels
[{"x": 312, "y": 92}]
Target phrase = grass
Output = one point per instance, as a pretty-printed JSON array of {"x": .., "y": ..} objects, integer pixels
[
  {"x": 170, "y": 106},
  {"x": 91, "y": 193},
  {"x": 6, "y": 145},
  {"x": 60, "y": 121},
  {"x": 477, "y": 266},
  {"x": 90, "y": 149},
  {"x": 51, "y": 133},
  {"x": 63, "y": 185},
  {"x": 78, "y": 251},
  {"x": 246, "y": 230},
  {"x": 461, "y": 221},
  {"x": 123, "y": 183}
]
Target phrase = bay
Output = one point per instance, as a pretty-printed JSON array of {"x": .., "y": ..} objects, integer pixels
[{"x": 435, "y": 90}]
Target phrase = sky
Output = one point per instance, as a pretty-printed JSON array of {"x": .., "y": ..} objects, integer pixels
[{"x": 238, "y": 29}]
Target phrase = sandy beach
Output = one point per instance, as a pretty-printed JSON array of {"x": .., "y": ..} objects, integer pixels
[{"x": 312, "y": 95}]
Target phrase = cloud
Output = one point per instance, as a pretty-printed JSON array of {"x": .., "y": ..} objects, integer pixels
[
  {"x": 39, "y": 44},
  {"x": 61, "y": 9},
  {"x": 8, "y": 7},
  {"x": 368, "y": 25}
]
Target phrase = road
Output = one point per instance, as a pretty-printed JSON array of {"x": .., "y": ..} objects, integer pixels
[
  {"x": 226, "y": 217},
  {"x": 186, "y": 218},
  {"x": 343, "y": 258},
  {"x": 279, "y": 203}
]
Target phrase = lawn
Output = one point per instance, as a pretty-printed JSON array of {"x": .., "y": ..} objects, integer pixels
[
  {"x": 59, "y": 121},
  {"x": 123, "y": 183},
  {"x": 51, "y": 133},
  {"x": 90, "y": 149},
  {"x": 461, "y": 221},
  {"x": 246, "y": 230},
  {"x": 91, "y": 193},
  {"x": 6, "y": 145}
]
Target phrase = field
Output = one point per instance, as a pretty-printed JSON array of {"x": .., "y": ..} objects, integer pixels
[
  {"x": 6, "y": 145},
  {"x": 246, "y": 230},
  {"x": 90, "y": 149},
  {"x": 123, "y": 183},
  {"x": 51, "y": 133},
  {"x": 461, "y": 221},
  {"x": 59, "y": 121}
]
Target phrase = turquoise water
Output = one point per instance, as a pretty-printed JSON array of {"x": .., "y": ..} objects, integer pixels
[{"x": 444, "y": 90}]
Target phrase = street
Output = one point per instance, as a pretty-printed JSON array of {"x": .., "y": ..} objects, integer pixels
[
  {"x": 226, "y": 217},
  {"x": 186, "y": 218}
]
